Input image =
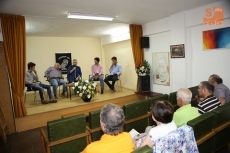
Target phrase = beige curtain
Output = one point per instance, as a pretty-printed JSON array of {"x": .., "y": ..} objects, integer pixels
[
  {"x": 135, "y": 36},
  {"x": 14, "y": 40}
]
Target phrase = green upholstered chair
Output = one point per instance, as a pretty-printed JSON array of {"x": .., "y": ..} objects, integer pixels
[
  {"x": 94, "y": 125},
  {"x": 136, "y": 116},
  {"x": 144, "y": 149},
  {"x": 65, "y": 135},
  {"x": 152, "y": 100},
  {"x": 203, "y": 131},
  {"x": 173, "y": 99},
  {"x": 222, "y": 126},
  {"x": 194, "y": 91}
]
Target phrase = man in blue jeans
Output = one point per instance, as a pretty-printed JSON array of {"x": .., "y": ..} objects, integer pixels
[
  {"x": 55, "y": 78},
  {"x": 115, "y": 71},
  {"x": 32, "y": 83}
]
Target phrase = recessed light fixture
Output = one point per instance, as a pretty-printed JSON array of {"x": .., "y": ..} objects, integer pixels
[{"x": 75, "y": 15}]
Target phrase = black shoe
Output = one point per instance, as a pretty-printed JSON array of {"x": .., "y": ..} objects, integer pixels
[{"x": 102, "y": 91}]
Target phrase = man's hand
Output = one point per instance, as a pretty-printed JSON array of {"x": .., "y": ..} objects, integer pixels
[
  {"x": 35, "y": 72},
  {"x": 95, "y": 77}
]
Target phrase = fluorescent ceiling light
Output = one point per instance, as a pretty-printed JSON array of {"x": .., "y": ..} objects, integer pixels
[{"x": 89, "y": 16}]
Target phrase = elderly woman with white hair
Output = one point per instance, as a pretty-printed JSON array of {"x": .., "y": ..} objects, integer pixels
[{"x": 114, "y": 139}]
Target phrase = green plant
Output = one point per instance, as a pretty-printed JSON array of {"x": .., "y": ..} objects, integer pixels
[{"x": 143, "y": 68}]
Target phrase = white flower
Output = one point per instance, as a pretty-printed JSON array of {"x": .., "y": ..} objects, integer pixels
[
  {"x": 77, "y": 91},
  {"x": 84, "y": 87},
  {"x": 80, "y": 87},
  {"x": 87, "y": 81},
  {"x": 88, "y": 96},
  {"x": 76, "y": 84},
  {"x": 73, "y": 87},
  {"x": 89, "y": 87},
  {"x": 80, "y": 94},
  {"x": 94, "y": 84}
]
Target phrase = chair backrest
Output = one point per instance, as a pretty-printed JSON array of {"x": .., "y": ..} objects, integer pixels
[
  {"x": 179, "y": 140},
  {"x": 64, "y": 128},
  {"x": 202, "y": 125},
  {"x": 134, "y": 110},
  {"x": 173, "y": 99},
  {"x": 94, "y": 123},
  {"x": 194, "y": 91},
  {"x": 144, "y": 149},
  {"x": 222, "y": 126}
]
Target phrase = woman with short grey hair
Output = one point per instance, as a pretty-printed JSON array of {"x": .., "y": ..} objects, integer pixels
[{"x": 114, "y": 140}]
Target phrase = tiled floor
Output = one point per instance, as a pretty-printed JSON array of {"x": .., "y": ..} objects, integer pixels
[{"x": 30, "y": 142}]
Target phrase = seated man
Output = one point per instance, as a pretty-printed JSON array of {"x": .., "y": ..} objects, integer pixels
[
  {"x": 97, "y": 73},
  {"x": 74, "y": 72},
  {"x": 115, "y": 70},
  {"x": 210, "y": 102},
  {"x": 31, "y": 82},
  {"x": 186, "y": 112},
  {"x": 221, "y": 91},
  {"x": 114, "y": 139},
  {"x": 54, "y": 76}
]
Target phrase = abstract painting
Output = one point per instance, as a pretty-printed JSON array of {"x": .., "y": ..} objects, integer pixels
[
  {"x": 216, "y": 39},
  {"x": 177, "y": 51},
  {"x": 161, "y": 73}
]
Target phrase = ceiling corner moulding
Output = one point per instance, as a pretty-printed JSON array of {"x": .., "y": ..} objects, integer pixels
[{"x": 75, "y": 15}]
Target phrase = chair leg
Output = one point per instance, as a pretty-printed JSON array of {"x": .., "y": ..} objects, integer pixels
[
  {"x": 35, "y": 97},
  {"x": 120, "y": 85},
  {"x": 59, "y": 90}
]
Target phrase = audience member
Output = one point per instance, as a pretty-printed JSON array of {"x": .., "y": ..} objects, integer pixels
[
  {"x": 97, "y": 73},
  {"x": 221, "y": 91},
  {"x": 54, "y": 76},
  {"x": 162, "y": 114},
  {"x": 74, "y": 72},
  {"x": 186, "y": 112},
  {"x": 115, "y": 71},
  {"x": 210, "y": 102},
  {"x": 32, "y": 83},
  {"x": 114, "y": 140}
]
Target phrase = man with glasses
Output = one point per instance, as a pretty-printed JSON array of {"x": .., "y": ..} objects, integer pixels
[{"x": 74, "y": 72}]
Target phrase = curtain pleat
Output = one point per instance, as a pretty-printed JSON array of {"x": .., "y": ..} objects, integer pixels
[
  {"x": 135, "y": 36},
  {"x": 14, "y": 40}
]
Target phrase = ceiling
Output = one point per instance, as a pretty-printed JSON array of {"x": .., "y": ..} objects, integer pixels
[{"x": 49, "y": 17}]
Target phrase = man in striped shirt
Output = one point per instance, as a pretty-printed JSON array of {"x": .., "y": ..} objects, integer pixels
[{"x": 210, "y": 102}]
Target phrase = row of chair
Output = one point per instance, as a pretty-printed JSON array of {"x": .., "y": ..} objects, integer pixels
[{"x": 212, "y": 130}]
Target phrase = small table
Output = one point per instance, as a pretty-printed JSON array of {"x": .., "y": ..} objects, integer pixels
[
  {"x": 148, "y": 94},
  {"x": 70, "y": 85}
]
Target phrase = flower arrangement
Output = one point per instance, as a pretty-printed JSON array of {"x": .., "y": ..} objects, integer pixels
[
  {"x": 85, "y": 88},
  {"x": 143, "y": 68}
]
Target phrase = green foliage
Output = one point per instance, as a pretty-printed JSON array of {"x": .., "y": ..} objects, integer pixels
[{"x": 85, "y": 88}]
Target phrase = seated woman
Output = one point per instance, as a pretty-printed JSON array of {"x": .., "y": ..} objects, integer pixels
[
  {"x": 114, "y": 139},
  {"x": 162, "y": 113}
]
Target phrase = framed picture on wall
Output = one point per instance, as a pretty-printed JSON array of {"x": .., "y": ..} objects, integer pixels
[
  {"x": 64, "y": 59},
  {"x": 161, "y": 68},
  {"x": 177, "y": 51},
  {"x": 216, "y": 39}
]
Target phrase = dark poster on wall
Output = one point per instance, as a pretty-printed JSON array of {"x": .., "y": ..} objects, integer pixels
[{"x": 64, "y": 59}]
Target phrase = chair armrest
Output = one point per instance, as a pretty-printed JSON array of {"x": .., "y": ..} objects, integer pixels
[{"x": 43, "y": 134}]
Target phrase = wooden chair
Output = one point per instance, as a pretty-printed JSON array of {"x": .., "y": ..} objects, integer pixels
[
  {"x": 30, "y": 90},
  {"x": 94, "y": 126},
  {"x": 65, "y": 135},
  {"x": 3, "y": 126},
  {"x": 118, "y": 81},
  {"x": 97, "y": 79}
]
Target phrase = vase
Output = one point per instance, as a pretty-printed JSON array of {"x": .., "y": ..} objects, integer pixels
[
  {"x": 142, "y": 74},
  {"x": 86, "y": 99}
]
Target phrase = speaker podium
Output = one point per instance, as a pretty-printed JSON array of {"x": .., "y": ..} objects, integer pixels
[{"x": 144, "y": 83}]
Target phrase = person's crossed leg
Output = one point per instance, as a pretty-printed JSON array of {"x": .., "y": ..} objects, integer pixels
[{"x": 112, "y": 78}]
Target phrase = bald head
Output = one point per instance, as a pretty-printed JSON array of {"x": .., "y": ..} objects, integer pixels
[
  {"x": 185, "y": 95},
  {"x": 56, "y": 65}
]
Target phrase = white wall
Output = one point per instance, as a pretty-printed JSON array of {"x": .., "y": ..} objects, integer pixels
[
  {"x": 123, "y": 51},
  {"x": 186, "y": 28},
  {"x": 41, "y": 50}
]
